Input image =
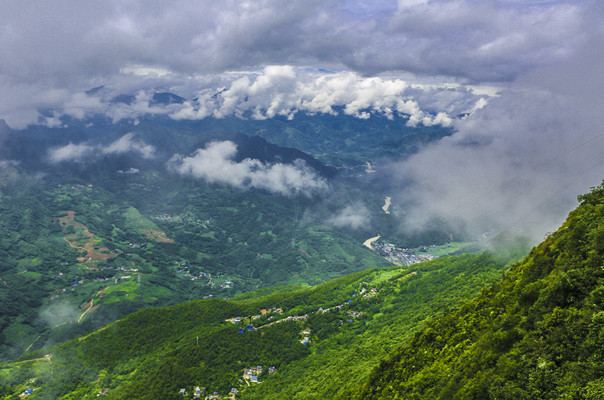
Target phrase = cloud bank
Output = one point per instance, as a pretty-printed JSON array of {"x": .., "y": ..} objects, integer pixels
[
  {"x": 491, "y": 40},
  {"x": 215, "y": 164},
  {"x": 285, "y": 91},
  {"x": 517, "y": 163},
  {"x": 81, "y": 151},
  {"x": 276, "y": 90}
]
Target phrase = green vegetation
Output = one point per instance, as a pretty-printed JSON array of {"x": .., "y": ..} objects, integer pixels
[
  {"x": 92, "y": 248},
  {"x": 102, "y": 237},
  {"x": 92, "y": 255},
  {"x": 346, "y": 345},
  {"x": 537, "y": 334},
  {"x": 351, "y": 323}
]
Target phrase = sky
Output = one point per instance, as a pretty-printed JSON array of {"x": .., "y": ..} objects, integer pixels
[{"x": 529, "y": 75}]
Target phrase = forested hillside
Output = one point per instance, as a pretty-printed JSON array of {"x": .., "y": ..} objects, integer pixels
[
  {"x": 311, "y": 343},
  {"x": 78, "y": 253},
  {"x": 98, "y": 221},
  {"x": 535, "y": 335}
]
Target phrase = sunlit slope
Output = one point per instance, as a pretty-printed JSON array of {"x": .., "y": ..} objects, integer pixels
[{"x": 349, "y": 324}]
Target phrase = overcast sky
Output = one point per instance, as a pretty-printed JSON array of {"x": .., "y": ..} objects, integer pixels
[
  {"x": 430, "y": 59},
  {"x": 53, "y": 50}
]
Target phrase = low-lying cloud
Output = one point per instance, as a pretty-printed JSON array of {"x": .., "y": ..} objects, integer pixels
[
  {"x": 519, "y": 162},
  {"x": 352, "y": 216},
  {"x": 285, "y": 91},
  {"x": 215, "y": 164},
  {"x": 81, "y": 151},
  {"x": 128, "y": 143},
  {"x": 59, "y": 313}
]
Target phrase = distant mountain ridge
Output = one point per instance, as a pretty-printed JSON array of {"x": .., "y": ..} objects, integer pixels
[{"x": 30, "y": 147}]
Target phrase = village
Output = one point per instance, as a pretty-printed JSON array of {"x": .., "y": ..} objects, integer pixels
[
  {"x": 252, "y": 374},
  {"x": 401, "y": 256},
  {"x": 178, "y": 219}
]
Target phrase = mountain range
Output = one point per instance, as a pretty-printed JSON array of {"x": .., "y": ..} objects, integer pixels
[
  {"x": 101, "y": 219},
  {"x": 471, "y": 326},
  {"x": 165, "y": 259}
]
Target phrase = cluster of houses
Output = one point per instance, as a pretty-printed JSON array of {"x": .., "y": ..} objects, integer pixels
[
  {"x": 305, "y": 340},
  {"x": 305, "y": 333},
  {"x": 80, "y": 282},
  {"x": 178, "y": 219},
  {"x": 251, "y": 374},
  {"x": 277, "y": 310},
  {"x": 182, "y": 269},
  {"x": 122, "y": 268},
  {"x": 227, "y": 285},
  {"x": 198, "y": 392},
  {"x": 400, "y": 256}
]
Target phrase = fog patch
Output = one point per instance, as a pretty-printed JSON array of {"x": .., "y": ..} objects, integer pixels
[
  {"x": 128, "y": 143},
  {"x": 517, "y": 163},
  {"x": 59, "y": 313},
  {"x": 352, "y": 216},
  {"x": 70, "y": 152}
]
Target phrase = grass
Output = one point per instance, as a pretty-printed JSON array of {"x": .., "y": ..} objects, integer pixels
[
  {"x": 136, "y": 220},
  {"x": 29, "y": 262},
  {"x": 32, "y": 275},
  {"x": 448, "y": 248},
  {"x": 385, "y": 275}
]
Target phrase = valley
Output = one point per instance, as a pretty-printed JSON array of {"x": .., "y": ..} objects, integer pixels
[
  {"x": 359, "y": 336},
  {"x": 306, "y": 200},
  {"x": 107, "y": 236}
]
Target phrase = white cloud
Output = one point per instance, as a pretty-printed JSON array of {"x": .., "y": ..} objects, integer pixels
[
  {"x": 70, "y": 152},
  {"x": 215, "y": 164},
  {"x": 285, "y": 91},
  {"x": 516, "y": 163},
  {"x": 272, "y": 91},
  {"x": 81, "y": 151},
  {"x": 6, "y": 164},
  {"x": 127, "y": 143}
]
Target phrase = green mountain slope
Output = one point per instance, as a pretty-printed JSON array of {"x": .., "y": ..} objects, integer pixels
[
  {"x": 535, "y": 335},
  {"x": 74, "y": 257},
  {"x": 350, "y": 323},
  {"x": 91, "y": 239}
]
